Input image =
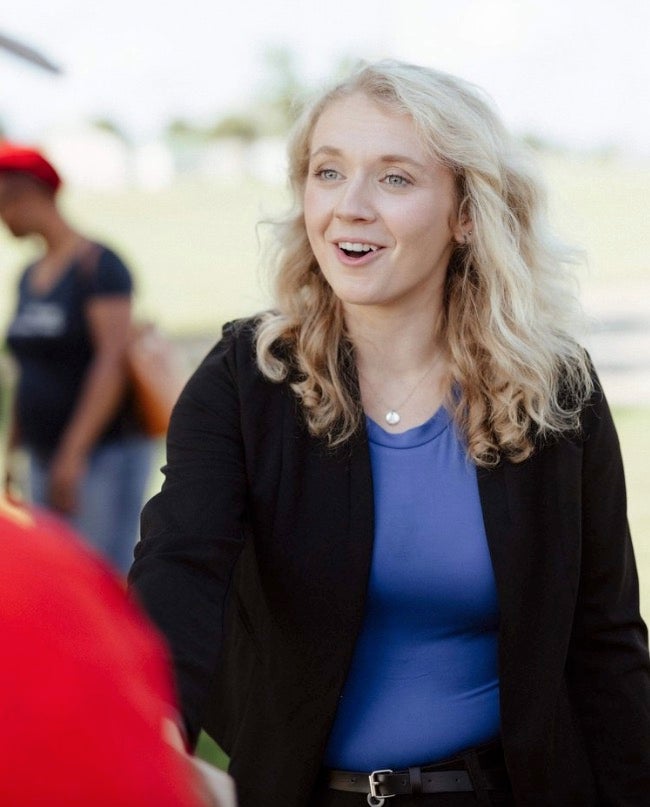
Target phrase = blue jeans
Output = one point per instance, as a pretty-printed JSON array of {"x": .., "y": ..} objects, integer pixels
[{"x": 110, "y": 498}]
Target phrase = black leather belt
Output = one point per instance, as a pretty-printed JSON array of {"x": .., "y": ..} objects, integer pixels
[
  {"x": 439, "y": 778},
  {"x": 400, "y": 783}
]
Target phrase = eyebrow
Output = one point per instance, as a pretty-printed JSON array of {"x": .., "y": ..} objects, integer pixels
[{"x": 385, "y": 158}]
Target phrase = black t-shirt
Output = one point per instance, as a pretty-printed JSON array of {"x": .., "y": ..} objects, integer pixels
[{"x": 51, "y": 341}]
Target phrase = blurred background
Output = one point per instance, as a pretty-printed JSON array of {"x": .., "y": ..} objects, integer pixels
[{"x": 168, "y": 123}]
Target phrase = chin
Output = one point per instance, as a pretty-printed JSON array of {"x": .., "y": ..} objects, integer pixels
[
  {"x": 350, "y": 294},
  {"x": 361, "y": 301},
  {"x": 16, "y": 230}
]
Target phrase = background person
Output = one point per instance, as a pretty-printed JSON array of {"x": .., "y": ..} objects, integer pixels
[
  {"x": 392, "y": 533},
  {"x": 88, "y": 458}
]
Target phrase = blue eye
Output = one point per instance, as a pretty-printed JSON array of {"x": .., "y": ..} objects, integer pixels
[
  {"x": 328, "y": 174},
  {"x": 396, "y": 181}
]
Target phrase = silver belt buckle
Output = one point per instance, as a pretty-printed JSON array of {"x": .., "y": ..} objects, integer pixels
[{"x": 375, "y": 799}]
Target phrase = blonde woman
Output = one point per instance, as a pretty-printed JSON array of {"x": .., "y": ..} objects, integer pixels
[{"x": 391, "y": 554}]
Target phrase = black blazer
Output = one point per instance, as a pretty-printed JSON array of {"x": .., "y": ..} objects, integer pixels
[{"x": 254, "y": 561}]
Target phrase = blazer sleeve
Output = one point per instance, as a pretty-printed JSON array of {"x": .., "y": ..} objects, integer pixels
[
  {"x": 609, "y": 670},
  {"x": 192, "y": 531}
]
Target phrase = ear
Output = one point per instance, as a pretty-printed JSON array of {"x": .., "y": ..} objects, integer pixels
[
  {"x": 462, "y": 225},
  {"x": 462, "y": 229}
]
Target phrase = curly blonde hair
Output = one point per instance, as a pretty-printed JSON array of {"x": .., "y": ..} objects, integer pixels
[{"x": 510, "y": 305}]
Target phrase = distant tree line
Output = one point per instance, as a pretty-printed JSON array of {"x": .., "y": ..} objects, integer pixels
[
  {"x": 274, "y": 107},
  {"x": 271, "y": 111}
]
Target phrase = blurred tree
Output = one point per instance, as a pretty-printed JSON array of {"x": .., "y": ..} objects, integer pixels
[
  {"x": 107, "y": 125},
  {"x": 275, "y": 105},
  {"x": 240, "y": 127},
  {"x": 282, "y": 93},
  {"x": 181, "y": 130}
]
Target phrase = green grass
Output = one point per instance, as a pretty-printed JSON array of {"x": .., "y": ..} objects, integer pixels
[
  {"x": 192, "y": 247},
  {"x": 208, "y": 750},
  {"x": 604, "y": 207}
]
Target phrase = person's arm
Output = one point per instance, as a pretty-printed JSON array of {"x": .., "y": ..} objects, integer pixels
[
  {"x": 192, "y": 531},
  {"x": 608, "y": 667},
  {"x": 109, "y": 319}
]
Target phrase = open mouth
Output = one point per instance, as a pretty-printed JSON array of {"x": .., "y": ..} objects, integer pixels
[{"x": 356, "y": 249}]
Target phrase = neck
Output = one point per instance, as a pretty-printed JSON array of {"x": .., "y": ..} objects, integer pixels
[
  {"x": 401, "y": 361},
  {"x": 394, "y": 343},
  {"x": 62, "y": 245},
  {"x": 60, "y": 238}
]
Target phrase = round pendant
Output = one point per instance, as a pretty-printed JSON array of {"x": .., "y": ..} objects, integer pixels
[{"x": 392, "y": 418}]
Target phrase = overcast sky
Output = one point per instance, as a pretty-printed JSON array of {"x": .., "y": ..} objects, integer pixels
[{"x": 575, "y": 71}]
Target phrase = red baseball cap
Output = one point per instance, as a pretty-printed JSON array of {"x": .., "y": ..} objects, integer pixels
[{"x": 29, "y": 161}]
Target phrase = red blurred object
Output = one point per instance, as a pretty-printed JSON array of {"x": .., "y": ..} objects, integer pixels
[
  {"x": 29, "y": 161},
  {"x": 84, "y": 684}
]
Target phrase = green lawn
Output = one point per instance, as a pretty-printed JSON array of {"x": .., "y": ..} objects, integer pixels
[{"x": 193, "y": 249}]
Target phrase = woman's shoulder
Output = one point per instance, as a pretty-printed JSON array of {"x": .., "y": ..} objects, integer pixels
[
  {"x": 586, "y": 397},
  {"x": 105, "y": 270},
  {"x": 241, "y": 330},
  {"x": 234, "y": 351},
  {"x": 229, "y": 374},
  {"x": 240, "y": 336}
]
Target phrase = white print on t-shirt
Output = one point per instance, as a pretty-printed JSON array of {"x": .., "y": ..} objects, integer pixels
[{"x": 39, "y": 319}]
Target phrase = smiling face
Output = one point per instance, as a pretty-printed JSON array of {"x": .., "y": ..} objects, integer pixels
[{"x": 380, "y": 212}]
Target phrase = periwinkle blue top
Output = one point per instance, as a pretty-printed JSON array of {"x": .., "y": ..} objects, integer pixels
[{"x": 423, "y": 683}]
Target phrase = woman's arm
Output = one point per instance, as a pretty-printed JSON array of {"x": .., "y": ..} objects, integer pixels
[
  {"x": 609, "y": 669},
  {"x": 193, "y": 530},
  {"x": 109, "y": 320}
]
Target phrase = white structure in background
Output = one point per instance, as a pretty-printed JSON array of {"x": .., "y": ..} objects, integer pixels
[
  {"x": 89, "y": 157},
  {"x": 231, "y": 159},
  {"x": 153, "y": 166},
  {"x": 92, "y": 158},
  {"x": 268, "y": 160}
]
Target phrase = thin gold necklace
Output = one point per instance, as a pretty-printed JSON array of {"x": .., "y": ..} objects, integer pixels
[{"x": 392, "y": 416}]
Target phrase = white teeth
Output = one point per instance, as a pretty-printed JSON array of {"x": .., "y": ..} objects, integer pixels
[{"x": 351, "y": 246}]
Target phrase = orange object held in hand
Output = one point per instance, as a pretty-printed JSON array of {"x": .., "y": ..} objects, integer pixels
[{"x": 156, "y": 373}]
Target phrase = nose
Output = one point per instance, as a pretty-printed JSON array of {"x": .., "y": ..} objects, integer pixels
[{"x": 354, "y": 202}]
